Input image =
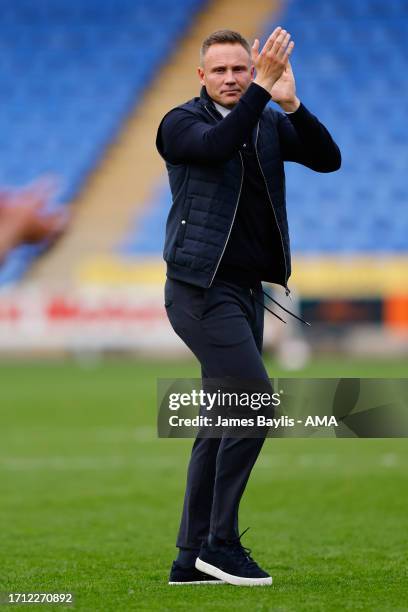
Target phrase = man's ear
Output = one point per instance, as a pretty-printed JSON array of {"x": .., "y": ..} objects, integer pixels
[
  {"x": 200, "y": 73},
  {"x": 252, "y": 72}
]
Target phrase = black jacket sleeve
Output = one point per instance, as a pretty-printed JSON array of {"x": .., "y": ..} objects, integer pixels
[
  {"x": 183, "y": 139},
  {"x": 305, "y": 140}
]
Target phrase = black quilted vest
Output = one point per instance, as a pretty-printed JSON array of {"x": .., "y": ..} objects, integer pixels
[{"x": 205, "y": 199}]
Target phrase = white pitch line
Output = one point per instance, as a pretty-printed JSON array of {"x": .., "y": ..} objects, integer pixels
[
  {"x": 331, "y": 461},
  {"x": 61, "y": 463}
]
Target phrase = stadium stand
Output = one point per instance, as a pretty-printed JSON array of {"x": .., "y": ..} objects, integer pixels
[
  {"x": 117, "y": 190},
  {"x": 349, "y": 62},
  {"x": 71, "y": 72}
]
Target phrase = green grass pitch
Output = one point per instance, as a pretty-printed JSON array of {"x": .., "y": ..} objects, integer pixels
[{"x": 90, "y": 499}]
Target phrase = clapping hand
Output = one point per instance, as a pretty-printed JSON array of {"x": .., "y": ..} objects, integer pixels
[
  {"x": 273, "y": 70},
  {"x": 284, "y": 90}
]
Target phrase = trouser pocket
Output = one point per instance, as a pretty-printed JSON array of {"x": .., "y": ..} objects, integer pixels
[
  {"x": 187, "y": 299},
  {"x": 168, "y": 294}
]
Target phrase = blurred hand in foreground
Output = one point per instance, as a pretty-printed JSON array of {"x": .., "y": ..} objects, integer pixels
[{"x": 23, "y": 218}]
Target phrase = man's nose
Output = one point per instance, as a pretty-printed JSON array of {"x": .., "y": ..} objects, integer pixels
[{"x": 230, "y": 77}]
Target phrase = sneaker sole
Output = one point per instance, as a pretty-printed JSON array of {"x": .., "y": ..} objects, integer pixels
[
  {"x": 235, "y": 580},
  {"x": 198, "y": 582}
]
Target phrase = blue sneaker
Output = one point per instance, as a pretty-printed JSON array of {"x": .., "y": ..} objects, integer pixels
[
  {"x": 229, "y": 561},
  {"x": 190, "y": 575}
]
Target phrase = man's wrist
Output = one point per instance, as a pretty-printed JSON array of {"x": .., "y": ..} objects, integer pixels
[
  {"x": 264, "y": 83},
  {"x": 290, "y": 106}
]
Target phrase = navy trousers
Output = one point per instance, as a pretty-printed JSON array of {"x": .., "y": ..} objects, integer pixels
[{"x": 223, "y": 327}]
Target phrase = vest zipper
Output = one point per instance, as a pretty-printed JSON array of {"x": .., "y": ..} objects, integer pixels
[
  {"x": 287, "y": 290},
  {"x": 233, "y": 218},
  {"x": 236, "y": 206}
]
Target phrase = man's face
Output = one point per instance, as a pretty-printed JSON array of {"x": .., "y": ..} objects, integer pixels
[{"x": 227, "y": 72}]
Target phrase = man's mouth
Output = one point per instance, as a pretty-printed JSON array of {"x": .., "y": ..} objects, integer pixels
[{"x": 229, "y": 91}]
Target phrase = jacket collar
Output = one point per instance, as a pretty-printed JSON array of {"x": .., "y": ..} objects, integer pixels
[{"x": 206, "y": 101}]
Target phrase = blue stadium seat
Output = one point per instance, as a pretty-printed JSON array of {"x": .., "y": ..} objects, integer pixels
[
  {"x": 57, "y": 61},
  {"x": 348, "y": 55}
]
